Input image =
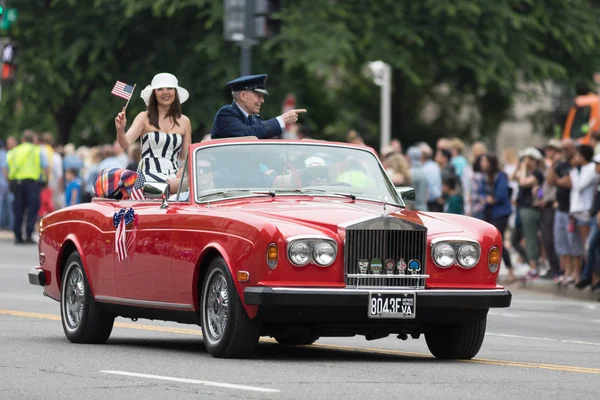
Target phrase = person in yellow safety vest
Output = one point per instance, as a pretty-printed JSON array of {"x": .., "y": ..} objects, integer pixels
[
  {"x": 26, "y": 163},
  {"x": 52, "y": 179},
  {"x": 354, "y": 174}
]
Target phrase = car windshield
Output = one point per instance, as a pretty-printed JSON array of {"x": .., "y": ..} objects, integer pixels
[{"x": 262, "y": 169}]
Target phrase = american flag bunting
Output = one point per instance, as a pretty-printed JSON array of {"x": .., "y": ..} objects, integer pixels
[
  {"x": 120, "y": 241},
  {"x": 121, "y": 219},
  {"x": 122, "y": 90}
]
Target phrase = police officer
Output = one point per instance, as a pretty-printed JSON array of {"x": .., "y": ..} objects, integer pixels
[
  {"x": 26, "y": 163},
  {"x": 241, "y": 117}
]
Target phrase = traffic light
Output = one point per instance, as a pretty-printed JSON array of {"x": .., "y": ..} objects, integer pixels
[
  {"x": 8, "y": 72},
  {"x": 7, "y": 15},
  {"x": 2, "y": 11},
  {"x": 266, "y": 24},
  {"x": 8, "y": 63}
]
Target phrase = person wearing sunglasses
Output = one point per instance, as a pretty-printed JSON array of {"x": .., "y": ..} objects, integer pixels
[
  {"x": 204, "y": 175},
  {"x": 316, "y": 172},
  {"x": 204, "y": 180}
]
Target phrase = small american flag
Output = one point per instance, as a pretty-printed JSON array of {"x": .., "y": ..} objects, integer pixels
[
  {"x": 137, "y": 192},
  {"x": 123, "y": 90},
  {"x": 295, "y": 175}
]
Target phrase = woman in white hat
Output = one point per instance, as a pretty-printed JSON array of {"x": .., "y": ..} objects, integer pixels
[
  {"x": 166, "y": 133},
  {"x": 530, "y": 177}
]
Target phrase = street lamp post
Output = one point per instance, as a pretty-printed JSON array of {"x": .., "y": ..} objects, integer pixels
[{"x": 382, "y": 76}]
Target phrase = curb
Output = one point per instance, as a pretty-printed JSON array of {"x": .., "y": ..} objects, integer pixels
[
  {"x": 6, "y": 235},
  {"x": 549, "y": 287}
]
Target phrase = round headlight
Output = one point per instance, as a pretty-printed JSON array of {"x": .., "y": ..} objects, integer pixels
[
  {"x": 299, "y": 253},
  {"x": 444, "y": 255},
  {"x": 324, "y": 253},
  {"x": 468, "y": 255}
]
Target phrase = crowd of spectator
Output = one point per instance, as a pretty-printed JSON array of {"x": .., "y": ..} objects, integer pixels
[
  {"x": 545, "y": 200},
  {"x": 68, "y": 173}
]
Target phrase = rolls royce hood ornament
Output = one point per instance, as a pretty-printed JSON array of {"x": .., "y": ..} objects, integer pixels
[{"x": 384, "y": 202}]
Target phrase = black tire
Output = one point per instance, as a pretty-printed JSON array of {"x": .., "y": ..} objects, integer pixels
[
  {"x": 91, "y": 324},
  {"x": 239, "y": 335},
  {"x": 456, "y": 342},
  {"x": 296, "y": 339}
]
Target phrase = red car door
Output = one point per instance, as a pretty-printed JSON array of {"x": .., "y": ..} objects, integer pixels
[
  {"x": 96, "y": 240},
  {"x": 145, "y": 274}
]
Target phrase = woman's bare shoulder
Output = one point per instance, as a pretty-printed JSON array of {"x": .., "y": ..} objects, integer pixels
[
  {"x": 185, "y": 121},
  {"x": 142, "y": 116}
]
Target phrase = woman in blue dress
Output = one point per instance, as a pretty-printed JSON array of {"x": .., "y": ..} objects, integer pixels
[
  {"x": 496, "y": 192},
  {"x": 166, "y": 133}
]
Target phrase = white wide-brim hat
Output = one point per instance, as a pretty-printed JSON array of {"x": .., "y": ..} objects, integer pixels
[
  {"x": 164, "y": 80},
  {"x": 531, "y": 152}
]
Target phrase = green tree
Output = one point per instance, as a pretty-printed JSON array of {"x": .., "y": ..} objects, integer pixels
[
  {"x": 452, "y": 52},
  {"x": 71, "y": 53},
  {"x": 449, "y": 53}
]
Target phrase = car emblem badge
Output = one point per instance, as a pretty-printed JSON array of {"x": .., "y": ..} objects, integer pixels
[
  {"x": 376, "y": 266},
  {"x": 401, "y": 266},
  {"x": 389, "y": 266},
  {"x": 363, "y": 266},
  {"x": 414, "y": 266}
]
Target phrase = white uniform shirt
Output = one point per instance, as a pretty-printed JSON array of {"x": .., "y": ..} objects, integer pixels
[{"x": 584, "y": 181}]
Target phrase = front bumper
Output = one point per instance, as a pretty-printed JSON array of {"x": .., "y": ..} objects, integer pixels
[
  {"x": 428, "y": 298},
  {"x": 37, "y": 277}
]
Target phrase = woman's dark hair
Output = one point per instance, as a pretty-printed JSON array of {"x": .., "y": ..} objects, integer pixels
[
  {"x": 174, "y": 111},
  {"x": 447, "y": 154},
  {"x": 477, "y": 163},
  {"x": 493, "y": 168},
  {"x": 450, "y": 181}
]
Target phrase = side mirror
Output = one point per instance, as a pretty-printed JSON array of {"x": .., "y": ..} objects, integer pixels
[
  {"x": 156, "y": 190},
  {"x": 407, "y": 193}
]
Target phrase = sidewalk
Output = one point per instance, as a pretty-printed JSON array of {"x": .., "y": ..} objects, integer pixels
[
  {"x": 6, "y": 235},
  {"x": 546, "y": 285}
]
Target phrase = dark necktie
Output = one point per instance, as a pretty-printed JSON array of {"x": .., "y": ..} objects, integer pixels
[{"x": 249, "y": 119}]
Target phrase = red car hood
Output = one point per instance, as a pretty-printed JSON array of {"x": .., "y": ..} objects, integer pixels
[{"x": 330, "y": 214}]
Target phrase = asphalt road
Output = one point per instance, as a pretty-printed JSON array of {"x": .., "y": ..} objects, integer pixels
[{"x": 542, "y": 347}]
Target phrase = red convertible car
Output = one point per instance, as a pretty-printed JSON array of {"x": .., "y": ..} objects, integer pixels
[{"x": 290, "y": 239}]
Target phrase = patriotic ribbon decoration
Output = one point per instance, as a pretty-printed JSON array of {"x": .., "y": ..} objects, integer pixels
[{"x": 121, "y": 219}]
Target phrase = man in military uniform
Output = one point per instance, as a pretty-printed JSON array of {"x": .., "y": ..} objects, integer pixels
[
  {"x": 241, "y": 117},
  {"x": 26, "y": 163}
]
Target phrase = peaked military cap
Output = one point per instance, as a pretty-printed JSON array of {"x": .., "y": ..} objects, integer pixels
[{"x": 249, "y": 82}]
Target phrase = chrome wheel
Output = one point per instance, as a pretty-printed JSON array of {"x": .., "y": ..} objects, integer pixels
[
  {"x": 74, "y": 298},
  {"x": 217, "y": 307},
  {"x": 82, "y": 319},
  {"x": 227, "y": 331}
]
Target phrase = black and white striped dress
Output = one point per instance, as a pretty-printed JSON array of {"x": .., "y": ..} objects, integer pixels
[{"x": 160, "y": 152}]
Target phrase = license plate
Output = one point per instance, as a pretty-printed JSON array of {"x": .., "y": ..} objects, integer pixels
[{"x": 392, "y": 305}]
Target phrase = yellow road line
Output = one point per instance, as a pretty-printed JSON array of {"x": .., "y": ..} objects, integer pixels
[
  {"x": 197, "y": 332},
  {"x": 117, "y": 324},
  {"x": 30, "y": 314}
]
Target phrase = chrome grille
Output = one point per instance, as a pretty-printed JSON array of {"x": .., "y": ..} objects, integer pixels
[{"x": 388, "y": 240}]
